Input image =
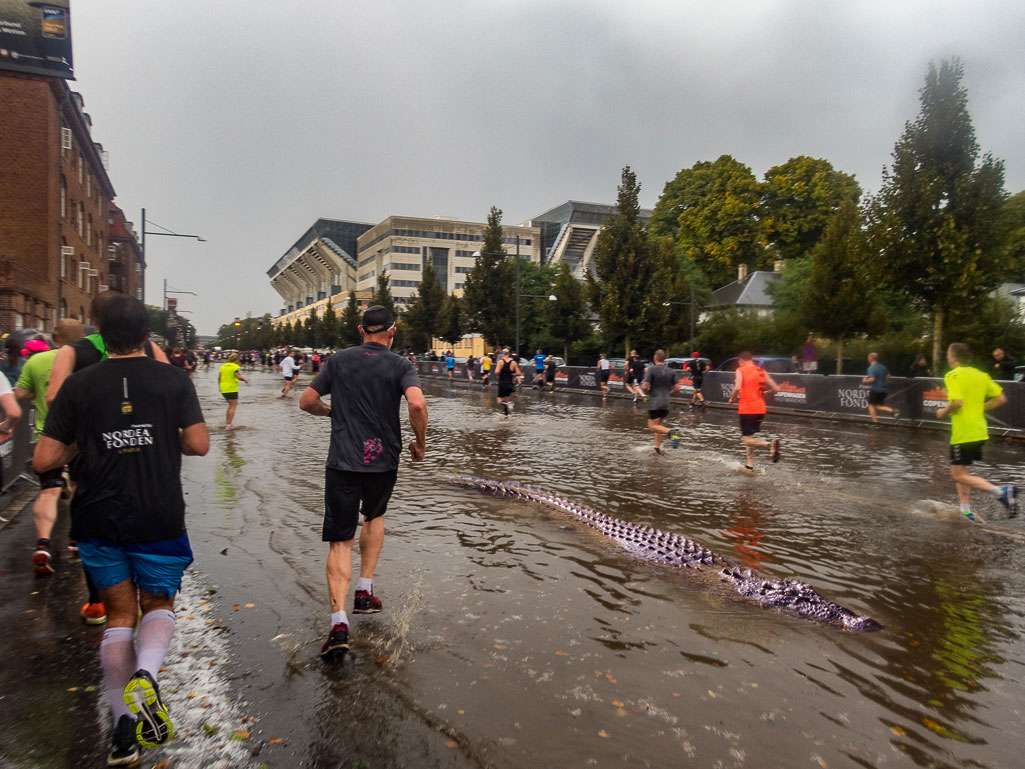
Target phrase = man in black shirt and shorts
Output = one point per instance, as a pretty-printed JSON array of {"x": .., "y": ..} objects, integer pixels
[
  {"x": 697, "y": 367},
  {"x": 506, "y": 370},
  {"x": 130, "y": 419},
  {"x": 366, "y": 384},
  {"x": 635, "y": 375},
  {"x": 660, "y": 383}
]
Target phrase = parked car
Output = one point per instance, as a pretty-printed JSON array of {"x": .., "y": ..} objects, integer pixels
[
  {"x": 1019, "y": 374},
  {"x": 681, "y": 363},
  {"x": 774, "y": 364}
]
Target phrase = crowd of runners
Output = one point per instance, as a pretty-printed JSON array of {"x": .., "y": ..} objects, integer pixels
[{"x": 115, "y": 413}]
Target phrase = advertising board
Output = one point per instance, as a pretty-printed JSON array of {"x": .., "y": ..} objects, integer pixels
[{"x": 35, "y": 37}]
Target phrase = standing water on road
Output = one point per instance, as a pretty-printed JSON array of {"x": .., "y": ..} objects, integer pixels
[{"x": 514, "y": 636}]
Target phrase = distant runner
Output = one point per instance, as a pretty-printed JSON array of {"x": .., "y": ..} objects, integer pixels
[
  {"x": 635, "y": 375},
  {"x": 697, "y": 368},
  {"x": 603, "y": 374},
  {"x": 550, "y": 369},
  {"x": 485, "y": 368},
  {"x": 506, "y": 369},
  {"x": 660, "y": 383},
  {"x": 749, "y": 386},
  {"x": 878, "y": 378},
  {"x": 289, "y": 372},
  {"x": 539, "y": 370},
  {"x": 970, "y": 394},
  {"x": 450, "y": 364},
  {"x": 228, "y": 380}
]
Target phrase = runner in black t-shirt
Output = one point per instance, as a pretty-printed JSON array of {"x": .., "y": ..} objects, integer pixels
[
  {"x": 506, "y": 370},
  {"x": 635, "y": 375},
  {"x": 697, "y": 368},
  {"x": 550, "y": 369},
  {"x": 130, "y": 419},
  {"x": 366, "y": 385}
]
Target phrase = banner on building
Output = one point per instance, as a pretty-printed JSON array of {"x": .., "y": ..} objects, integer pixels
[{"x": 35, "y": 37}]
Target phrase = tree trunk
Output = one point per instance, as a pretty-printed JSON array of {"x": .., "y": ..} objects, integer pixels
[
  {"x": 565, "y": 353},
  {"x": 626, "y": 342},
  {"x": 937, "y": 340},
  {"x": 839, "y": 356}
]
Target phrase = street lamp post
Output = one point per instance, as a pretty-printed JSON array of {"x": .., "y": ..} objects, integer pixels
[
  {"x": 691, "y": 303},
  {"x": 167, "y": 234}
]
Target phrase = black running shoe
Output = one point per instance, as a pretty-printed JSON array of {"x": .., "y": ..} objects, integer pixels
[
  {"x": 142, "y": 696},
  {"x": 659, "y": 451},
  {"x": 366, "y": 602},
  {"x": 337, "y": 643},
  {"x": 41, "y": 557},
  {"x": 775, "y": 450},
  {"x": 124, "y": 748}
]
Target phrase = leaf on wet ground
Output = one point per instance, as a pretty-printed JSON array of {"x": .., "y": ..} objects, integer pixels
[
  {"x": 604, "y": 734},
  {"x": 236, "y": 607},
  {"x": 611, "y": 679},
  {"x": 900, "y": 732},
  {"x": 617, "y": 703},
  {"x": 274, "y": 740},
  {"x": 190, "y": 695},
  {"x": 560, "y": 653},
  {"x": 240, "y": 734},
  {"x": 501, "y": 646},
  {"x": 210, "y": 731},
  {"x": 250, "y": 605},
  {"x": 162, "y": 765},
  {"x": 451, "y": 744}
]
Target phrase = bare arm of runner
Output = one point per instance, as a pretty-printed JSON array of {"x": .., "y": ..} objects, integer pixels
[
  {"x": 12, "y": 413},
  {"x": 311, "y": 402},
  {"x": 417, "y": 406},
  {"x": 63, "y": 365},
  {"x": 952, "y": 407},
  {"x": 51, "y": 453},
  {"x": 994, "y": 402},
  {"x": 195, "y": 440}
]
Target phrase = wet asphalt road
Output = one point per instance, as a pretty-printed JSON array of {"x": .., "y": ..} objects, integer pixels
[{"x": 513, "y": 637}]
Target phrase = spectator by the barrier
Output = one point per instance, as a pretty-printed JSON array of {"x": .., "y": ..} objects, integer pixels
[
  {"x": 1003, "y": 364},
  {"x": 919, "y": 368},
  {"x": 12, "y": 361},
  {"x": 11, "y": 409}
]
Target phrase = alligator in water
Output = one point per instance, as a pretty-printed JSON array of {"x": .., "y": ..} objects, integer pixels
[{"x": 785, "y": 594}]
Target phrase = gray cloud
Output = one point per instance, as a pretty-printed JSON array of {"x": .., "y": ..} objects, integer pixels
[{"x": 243, "y": 122}]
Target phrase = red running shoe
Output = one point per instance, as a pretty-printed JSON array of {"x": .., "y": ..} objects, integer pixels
[
  {"x": 366, "y": 603},
  {"x": 337, "y": 643},
  {"x": 93, "y": 613},
  {"x": 41, "y": 560}
]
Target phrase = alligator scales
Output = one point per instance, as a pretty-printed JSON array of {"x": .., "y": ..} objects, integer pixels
[{"x": 787, "y": 595}]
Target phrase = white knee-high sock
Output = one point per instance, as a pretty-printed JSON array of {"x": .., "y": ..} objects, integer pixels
[
  {"x": 117, "y": 658},
  {"x": 155, "y": 633}
]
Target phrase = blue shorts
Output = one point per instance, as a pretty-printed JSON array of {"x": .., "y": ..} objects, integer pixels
[{"x": 156, "y": 567}]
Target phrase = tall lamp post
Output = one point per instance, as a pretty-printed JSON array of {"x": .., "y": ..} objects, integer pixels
[
  {"x": 691, "y": 303},
  {"x": 167, "y": 234},
  {"x": 479, "y": 253}
]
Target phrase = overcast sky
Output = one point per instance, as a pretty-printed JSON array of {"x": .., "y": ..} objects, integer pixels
[{"x": 245, "y": 120}]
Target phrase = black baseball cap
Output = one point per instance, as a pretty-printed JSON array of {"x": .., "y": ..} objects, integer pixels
[{"x": 377, "y": 319}]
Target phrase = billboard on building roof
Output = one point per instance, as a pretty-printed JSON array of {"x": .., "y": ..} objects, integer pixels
[{"x": 35, "y": 37}]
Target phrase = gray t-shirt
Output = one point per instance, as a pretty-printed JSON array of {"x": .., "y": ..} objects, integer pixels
[
  {"x": 366, "y": 385},
  {"x": 661, "y": 380},
  {"x": 879, "y": 372}
]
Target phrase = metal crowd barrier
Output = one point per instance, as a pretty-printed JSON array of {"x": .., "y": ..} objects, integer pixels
[{"x": 16, "y": 451}]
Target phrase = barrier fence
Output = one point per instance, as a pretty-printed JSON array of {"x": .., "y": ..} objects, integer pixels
[
  {"x": 17, "y": 450},
  {"x": 916, "y": 399}
]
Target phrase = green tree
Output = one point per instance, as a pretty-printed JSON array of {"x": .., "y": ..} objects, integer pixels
[
  {"x": 1014, "y": 232},
  {"x": 568, "y": 316},
  {"x": 351, "y": 318},
  {"x": 710, "y": 212},
  {"x": 450, "y": 321},
  {"x": 382, "y": 293},
  {"x": 422, "y": 316},
  {"x": 620, "y": 288},
  {"x": 489, "y": 294},
  {"x": 937, "y": 218},
  {"x": 837, "y": 302},
  {"x": 329, "y": 326},
  {"x": 311, "y": 330},
  {"x": 799, "y": 199}
]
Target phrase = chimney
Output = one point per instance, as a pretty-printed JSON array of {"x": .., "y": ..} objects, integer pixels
[{"x": 741, "y": 272}]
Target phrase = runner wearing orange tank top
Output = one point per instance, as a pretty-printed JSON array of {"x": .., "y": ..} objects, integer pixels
[{"x": 749, "y": 385}]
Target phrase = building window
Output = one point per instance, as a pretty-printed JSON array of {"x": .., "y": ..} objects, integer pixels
[
  {"x": 459, "y": 285},
  {"x": 89, "y": 232},
  {"x": 80, "y": 211},
  {"x": 401, "y": 266},
  {"x": 463, "y": 270},
  {"x": 465, "y": 253},
  {"x": 81, "y": 167},
  {"x": 63, "y": 309},
  {"x": 64, "y": 198},
  {"x": 405, "y": 249},
  {"x": 89, "y": 185},
  {"x": 404, "y": 283}
]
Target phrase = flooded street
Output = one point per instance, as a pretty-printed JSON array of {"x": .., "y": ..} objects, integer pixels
[{"x": 514, "y": 636}]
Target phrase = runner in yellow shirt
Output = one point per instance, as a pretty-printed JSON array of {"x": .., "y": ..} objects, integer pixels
[
  {"x": 228, "y": 382},
  {"x": 971, "y": 393}
]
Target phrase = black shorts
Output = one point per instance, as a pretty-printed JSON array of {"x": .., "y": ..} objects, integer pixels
[
  {"x": 51, "y": 479},
  {"x": 230, "y": 396},
  {"x": 697, "y": 381},
  {"x": 288, "y": 378},
  {"x": 605, "y": 375},
  {"x": 658, "y": 413},
  {"x": 550, "y": 376},
  {"x": 966, "y": 453},
  {"x": 347, "y": 494},
  {"x": 750, "y": 423},
  {"x": 876, "y": 398},
  {"x": 505, "y": 390}
]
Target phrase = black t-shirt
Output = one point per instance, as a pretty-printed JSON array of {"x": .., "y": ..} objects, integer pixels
[
  {"x": 697, "y": 367},
  {"x": 86, "y": 353},
  {"x": 1005, "y": 367},
  {"x": 366, "y": 384},
  {"x": 636, "y": 367},
  {"x": 124, "y": 414}
]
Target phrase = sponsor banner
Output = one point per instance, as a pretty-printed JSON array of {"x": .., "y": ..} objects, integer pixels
[
  {"x": 1012, "y": 413},
  {"x": 35, "y": 37},
  {"x": 845, "y": 395},
  {"x": 717, "y": 386},
  {"x": 796, "y": 391},
  {"x": 616, "y": 379}
]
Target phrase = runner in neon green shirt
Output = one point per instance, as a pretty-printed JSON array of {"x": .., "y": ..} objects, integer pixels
[
  {"x": 32, "y": 383},
  {"x": 229, "y": 377},
  {"x": 971, "y": 393}
]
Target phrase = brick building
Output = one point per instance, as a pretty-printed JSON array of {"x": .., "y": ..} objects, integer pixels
[
  {"x": 55, "y": 202},
  {"x": 125, "y": 266}
]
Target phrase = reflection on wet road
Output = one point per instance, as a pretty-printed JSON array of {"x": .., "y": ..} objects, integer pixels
[{"x": 515, "y": 637}]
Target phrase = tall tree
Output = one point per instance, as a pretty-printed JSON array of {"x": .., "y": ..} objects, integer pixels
[
  {"x": 1014, "y": 228},
  {"x": 937, "y": 219},
  {"x": 424, "y": 309},
  {"x": 489, "y": 295},
  {"x": 837, "y": 301},
  {"x": 799, "y": 199},
  {"x": 329, "y": 326},
  {"x": 382, "y": 293},
  {"x": 568, "y": 315},
  {"x": 450, "y": 322},
  {"x": 311, "y": 329},
  {"x": 711, "y": 213},
  {"x": 624, "y": 267},
  {"x": 351, "y": 318}
]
